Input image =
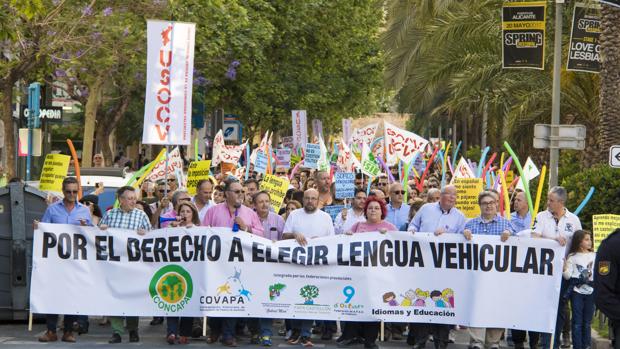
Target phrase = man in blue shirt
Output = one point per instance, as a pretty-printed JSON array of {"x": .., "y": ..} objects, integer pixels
[
  {"x": 489, "y": 223},
  {"x": 521, "y": 218},
  {"x": 397, "y": 211},
  {"x": 66, "y": 211},
  {"x": 439, "y": 218}
]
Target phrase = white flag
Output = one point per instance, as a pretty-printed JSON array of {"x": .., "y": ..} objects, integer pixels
[
  {"x": 530, "y": 171},
  {"x": 401, "y": 144},
  {"x": 169, "y": 69}
]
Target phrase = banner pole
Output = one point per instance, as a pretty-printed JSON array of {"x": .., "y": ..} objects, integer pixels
[
  {"x": 166, "y": 173},
  {"x": 30, "y": 321},
  {"x": 204, "y": 326},
  {"x": 382, "y": 331}
]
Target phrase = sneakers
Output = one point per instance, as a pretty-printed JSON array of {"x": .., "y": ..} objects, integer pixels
[
  {"x": 305, "y": 341},
  {"x": 116, "y": 338},
  {"x": 266, "y": 341},
  {"x": 565, "y": 341},
  {"x": 133, "y": 337},
  {"x": 171, "y": 339},
  {"x": 48, "y": 336},
  {"x": 157, "y": 321}
]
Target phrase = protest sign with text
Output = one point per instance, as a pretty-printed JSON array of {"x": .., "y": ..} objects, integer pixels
[
  {"x": 345, "y": 185},
  {"x": 168, "y": 103},
  {"x": 602, "y": 226},
  {"x": 300, "y": 128},
  {"x": 284, "y": 157},
  {"x": 364, "y": 135},
  {"x": 54, "y": 172},
  {"x": 276, "y": 187},
  {"x": 467, "y": 190},
  {"x": 174, "y": 162},
  {"x": 225, "y": 153},
  {"x": 312, "y": 155},
  {"x": 197, "y": 171},
  {"x": 363, "y": 277}
]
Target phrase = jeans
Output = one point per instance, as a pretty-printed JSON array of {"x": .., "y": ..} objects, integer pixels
[
  {"x": 583, "y": 311},
  {"x": 545, "y": 338},
  {"x": 304, "y": 326},
  {"x": 228, "y": 328},
  {"x": 51, "y": 321},
  {"x": 179, "y": 326},
  {"x": 266, "y": 327},
  {"x": 615, "y": 328},
  {"x": 518, "y": 337}
]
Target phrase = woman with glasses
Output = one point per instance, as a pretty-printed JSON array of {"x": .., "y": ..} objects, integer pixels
[{"x": 180, "y": 329}]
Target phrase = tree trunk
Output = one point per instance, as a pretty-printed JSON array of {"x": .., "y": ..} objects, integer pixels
[
  {"x": 610, "y": 80},
  {"x": 107, "y": 125},
  {"x": 90, "y": 116},
  {"x": 7, "y": 117}
]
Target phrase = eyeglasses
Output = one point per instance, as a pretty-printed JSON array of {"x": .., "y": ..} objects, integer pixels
[
  {"x": 161, "y": 191},
  {"x": 280, "y": 173},
  {"x": 185, "y": 199},
  {"x": 70, "y": 191},
  {"x": 487, "y": 203},
  {"x": 401, "y": 192}
]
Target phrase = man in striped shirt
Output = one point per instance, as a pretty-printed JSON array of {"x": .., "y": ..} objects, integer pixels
[{"x": 127, "y": 216}]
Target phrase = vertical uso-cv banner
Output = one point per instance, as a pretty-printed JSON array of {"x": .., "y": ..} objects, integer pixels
[
  {"x": 585, "y": 48},
  {"x": 169, "y": 69},
  {"x": 523, "y": 35},
  {"x": 397, "y": 276}
]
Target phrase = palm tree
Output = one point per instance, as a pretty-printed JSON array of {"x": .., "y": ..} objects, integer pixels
[{"x": 610, "y": 80}]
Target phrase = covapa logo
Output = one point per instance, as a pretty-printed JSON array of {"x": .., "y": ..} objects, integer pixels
[{"x": 171, "y": 288}]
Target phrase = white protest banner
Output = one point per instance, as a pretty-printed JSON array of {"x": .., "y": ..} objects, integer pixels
[
  {"x": 530, "y": 171},
  {"x": 344, "y": 184},
  {"x": 312, "y": 155},
  {"x": 300, "y": 128},
  {"x": 364, "y": 135},
  {"x": 346, "y": 130},
  {"x": 175, "y": 162},
  {"x": 260, "y": 165},
  {"x": 169, "y": 69},
  {"x": 401, "y": 144},
  {"x": 215, "y": 272},
  {"x": 284, "y": 157},
  {"x": 225, "y": 153}
]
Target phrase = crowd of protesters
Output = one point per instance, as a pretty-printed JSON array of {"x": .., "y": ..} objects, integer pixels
[{"x": 238, "y": 203}]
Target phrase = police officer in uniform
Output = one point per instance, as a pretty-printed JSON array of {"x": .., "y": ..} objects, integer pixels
[{"x": 607, "y": 282}]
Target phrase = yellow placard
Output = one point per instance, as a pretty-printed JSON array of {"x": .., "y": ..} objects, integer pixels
[
  {"x": 54, "y": 172},
  {"x": 276, "y": 187},
  {"x": 510, "y": 176},
  {"x": 602, "y": 226},
  {"x": 467, "y": 190},
  {"x": 197, "y": 171}
]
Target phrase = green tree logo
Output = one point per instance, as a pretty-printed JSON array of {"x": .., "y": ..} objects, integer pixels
[
  {"x": 172, "y": 284},
  {"x": 309, "y": 292}
]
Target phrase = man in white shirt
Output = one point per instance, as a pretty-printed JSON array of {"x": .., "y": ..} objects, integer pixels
[
  {"x": 202, "y": 199},
  {"x": 348, "y": 217},
  {"x": 306, "y": 223},
  {"x": 557, "y": 223}
]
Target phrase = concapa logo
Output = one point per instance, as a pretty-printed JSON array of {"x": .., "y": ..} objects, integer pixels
[{"x": 171, "y": 288}]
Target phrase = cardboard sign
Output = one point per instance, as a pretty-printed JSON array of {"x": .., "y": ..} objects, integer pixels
[
  {"x": 467, "y": 190},
  {"x": 287, "y": 142},
  {"x": 602, "y": 226},
  {"x": 345, "y": 185},
  {"x": 313, "y": 153},
  {"x": 284, "y": 157},
  {"x": 276, "y": 187},
  {"x": 401, "y": 144},
  {"x": 197, "y": 171},
  {"x": 260, "y": 165},
  {"x": 54, "y": 172},
  {"x": 333, "y": 210}
]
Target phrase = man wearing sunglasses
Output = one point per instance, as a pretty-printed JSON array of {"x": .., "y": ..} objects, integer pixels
[
  {"x": 65, "y": 211},
  {"x": 231, "y": 214},
  {"x": 397, "y": 210}
]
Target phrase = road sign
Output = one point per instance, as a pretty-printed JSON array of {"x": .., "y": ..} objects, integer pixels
[
  {"x": 559, "y": 136},
  {"x": 233, "y": 131},
  {"x": 614, "y": 156}
]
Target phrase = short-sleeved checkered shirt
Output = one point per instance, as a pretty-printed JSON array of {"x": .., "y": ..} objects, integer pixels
[
  {"x": 495, "y": 226},
  {"x": 134, "y": 219}
]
